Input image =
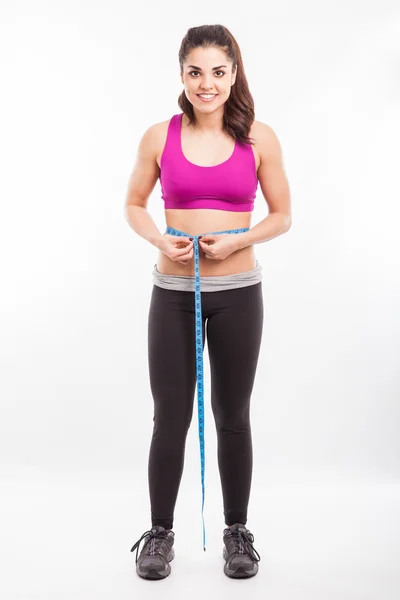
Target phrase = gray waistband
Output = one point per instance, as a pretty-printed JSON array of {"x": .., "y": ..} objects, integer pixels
[{"x": 216, "y": 283}]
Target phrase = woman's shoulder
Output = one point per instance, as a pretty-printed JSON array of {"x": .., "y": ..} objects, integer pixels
[
  {"x": 264, "y": 136},
  {"x": 160, "y": 128},
  {"x": 156, "y": 130},
  {"x": 157, "y": 135},
  {"x": 261, "y": 130},
  {"x": 154, "y": 137}
]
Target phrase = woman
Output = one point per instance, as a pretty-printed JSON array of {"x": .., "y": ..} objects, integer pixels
[{"x": 209, "y": 158}]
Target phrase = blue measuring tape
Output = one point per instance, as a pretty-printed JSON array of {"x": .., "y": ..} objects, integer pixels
[{"x": 199, "y": 344}]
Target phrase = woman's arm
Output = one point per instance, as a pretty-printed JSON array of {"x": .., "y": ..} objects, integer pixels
[
  {"x": 141, "y": 183},
  {"x": 275, "y": 188}
]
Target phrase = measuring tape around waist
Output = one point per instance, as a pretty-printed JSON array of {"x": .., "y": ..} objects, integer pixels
[{"x": 199, "y": 344}]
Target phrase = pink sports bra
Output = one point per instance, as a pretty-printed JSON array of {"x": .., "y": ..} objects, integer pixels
[{"x": 230, "y": 185}]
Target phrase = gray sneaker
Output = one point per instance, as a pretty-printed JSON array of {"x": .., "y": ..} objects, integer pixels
[
  {"x": 239, "y": 553},
  {"x": 156, "y": 554}
]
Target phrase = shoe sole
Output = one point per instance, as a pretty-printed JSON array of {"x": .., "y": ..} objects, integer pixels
[
  {"x": 241, "y": 572},
  {"x": 154, "y": 573}
]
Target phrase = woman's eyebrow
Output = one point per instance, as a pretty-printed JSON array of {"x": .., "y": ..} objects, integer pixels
[{"x": 198, "y": 68}]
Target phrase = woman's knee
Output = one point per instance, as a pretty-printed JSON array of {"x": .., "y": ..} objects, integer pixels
[
  {"x": 172, "y": 424},
  {"x": 228, "y": 420}
]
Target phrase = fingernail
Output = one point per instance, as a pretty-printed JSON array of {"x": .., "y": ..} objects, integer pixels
[
  {"x": 200, "y": 236},
  {"x": 191, "y": 239}
]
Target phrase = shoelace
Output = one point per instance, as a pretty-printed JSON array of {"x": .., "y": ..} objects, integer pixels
[
  {"x": 244, "y": 543},
  {"x": 155, "y": 542}
]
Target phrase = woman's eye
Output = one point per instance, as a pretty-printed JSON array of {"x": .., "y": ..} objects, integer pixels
[{"x": 191, "y": 72}]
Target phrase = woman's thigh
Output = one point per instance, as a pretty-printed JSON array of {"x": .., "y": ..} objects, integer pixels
[
  {"x": 234, "y": 334},
  {"x": 172, "y": 356}
]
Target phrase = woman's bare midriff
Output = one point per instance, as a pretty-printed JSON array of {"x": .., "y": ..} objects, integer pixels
[{"x": 200, "y": 221}]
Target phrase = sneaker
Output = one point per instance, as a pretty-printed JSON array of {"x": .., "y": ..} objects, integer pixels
[
  {"x": 156, "y": 554},
  {"x": 240, "y": 555}
]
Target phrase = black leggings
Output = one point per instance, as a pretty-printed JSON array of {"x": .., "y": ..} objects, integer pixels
[{"x": 233, "y": 322}]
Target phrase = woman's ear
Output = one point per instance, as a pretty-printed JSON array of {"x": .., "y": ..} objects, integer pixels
[{"x": 234, "y": 76}]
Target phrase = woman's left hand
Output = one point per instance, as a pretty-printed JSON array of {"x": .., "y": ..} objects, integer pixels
[{"x": 219, "y": 246}]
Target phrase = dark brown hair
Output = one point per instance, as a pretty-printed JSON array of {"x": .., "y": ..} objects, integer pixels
[{"x": 239, "y": 108}]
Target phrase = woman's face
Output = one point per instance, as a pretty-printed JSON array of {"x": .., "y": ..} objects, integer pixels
[{"x": 207, "y": 71}]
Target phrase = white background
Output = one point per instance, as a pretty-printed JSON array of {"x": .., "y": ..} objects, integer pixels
[{"x": 81, "y": 81}]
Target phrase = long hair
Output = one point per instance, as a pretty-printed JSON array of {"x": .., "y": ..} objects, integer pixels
[{"x": 239, "y": 108}]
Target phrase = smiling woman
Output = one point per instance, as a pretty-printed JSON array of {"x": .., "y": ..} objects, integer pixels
[{"x": 209, "y": 159}]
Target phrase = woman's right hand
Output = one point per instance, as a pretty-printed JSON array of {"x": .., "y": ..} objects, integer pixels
[{"x": 177, "y": 248}]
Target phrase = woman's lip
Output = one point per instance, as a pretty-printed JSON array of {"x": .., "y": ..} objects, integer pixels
[{"x": 207, "y": 99}]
